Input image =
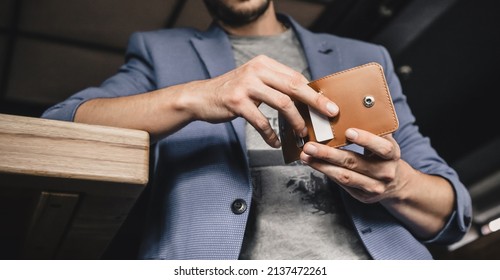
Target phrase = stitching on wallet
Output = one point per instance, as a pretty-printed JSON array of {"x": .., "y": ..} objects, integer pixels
[{"x": 347, "y": 70}]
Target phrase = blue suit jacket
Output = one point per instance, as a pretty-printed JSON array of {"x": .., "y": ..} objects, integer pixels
[{"x": 201, "y": 169}]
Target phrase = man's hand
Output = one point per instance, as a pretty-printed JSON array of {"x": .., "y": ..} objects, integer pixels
[
  {"x": 423, "y": 202},
  {"x": 238, "y": 93},
  {"x": 369, "y": 178}
]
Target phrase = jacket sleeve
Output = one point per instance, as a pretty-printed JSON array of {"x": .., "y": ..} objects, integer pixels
[
  {"x": 134, "y": 77},
  {"x": 418, "y": 152}
]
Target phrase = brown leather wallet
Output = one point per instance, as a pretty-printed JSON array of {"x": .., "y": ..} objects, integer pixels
[{"x": 364, "y": 100}]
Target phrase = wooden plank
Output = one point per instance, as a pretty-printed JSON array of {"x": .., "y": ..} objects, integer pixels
[
  {"x": 51, "y": 148},
  {"x": 94, "y": 173}
]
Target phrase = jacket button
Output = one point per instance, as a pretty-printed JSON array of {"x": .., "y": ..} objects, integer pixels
[{"x": 239, "y": 206}]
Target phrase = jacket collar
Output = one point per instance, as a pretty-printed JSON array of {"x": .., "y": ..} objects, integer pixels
[{"x": 214, "y": 49}]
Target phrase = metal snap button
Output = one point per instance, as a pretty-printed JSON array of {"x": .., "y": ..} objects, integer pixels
[
  {"x": 368, "y": 101},
  {"x": 239, "y": 206}
]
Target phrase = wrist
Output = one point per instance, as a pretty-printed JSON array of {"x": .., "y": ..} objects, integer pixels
[
  {"x": 183, "y": 102},
  {"x": 402, "y": 189}
]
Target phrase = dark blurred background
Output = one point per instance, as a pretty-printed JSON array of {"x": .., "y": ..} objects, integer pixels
[{"x": 446, "y": 53}]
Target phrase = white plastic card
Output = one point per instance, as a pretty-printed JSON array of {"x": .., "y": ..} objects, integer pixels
[{"x": 321, "y": 125}]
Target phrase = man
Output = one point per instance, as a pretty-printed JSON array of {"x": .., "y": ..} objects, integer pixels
[{"x": 219, "y": 193}]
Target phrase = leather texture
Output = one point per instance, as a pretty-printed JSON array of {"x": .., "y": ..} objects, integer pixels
[{"x": 364, "y": 100}]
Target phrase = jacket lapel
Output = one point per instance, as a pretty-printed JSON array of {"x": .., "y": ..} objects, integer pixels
[
  {"x": 322, "y": 55},
  {"x": 214, "y": 49}
]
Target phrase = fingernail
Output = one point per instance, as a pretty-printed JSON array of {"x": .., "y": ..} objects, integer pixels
[
  {"x": 304, "y": 132},
  {"x": 310, "y": 149},
  {"x": 277, "y": 144},
  {"x": 351, "y": 134},
  {"x": 332, "y": 108}
]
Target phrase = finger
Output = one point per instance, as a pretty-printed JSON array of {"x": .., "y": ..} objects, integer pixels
[
  {"x": 294, "y": 84},
  {"x": 259, "y": 78},
  {"x": 260, "y": 122},
  {"x": 384, "y": 147},
  {"x": 361, "y": 187},
  {"x": 283, "y": 104},
  {"x": 280, "y": 96},
  {"x": 343, "y": 158},
  {"x": 346, "y": 159},
  {"x": 372, "y": 166}
]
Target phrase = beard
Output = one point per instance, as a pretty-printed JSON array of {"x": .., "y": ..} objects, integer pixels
[{"x": 231, "y": 16}]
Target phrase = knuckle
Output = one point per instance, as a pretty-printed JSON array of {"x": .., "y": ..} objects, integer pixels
[
  {"x": 263, "y": 126},
  {"x": 249, "y": 69},
  {"x": 386, "y": 150},
  {"x": 258, "y": 62},
  {"x": 295, "y": 82},
  {"x": 237, "y": 98},
  {"x": 388, "y": 174},
  {"x": 318, "y": 99},
  {"x": 285, "y": 102},
  {"x": 349, "y": 162},
  {"x": 344, "y": 177}
]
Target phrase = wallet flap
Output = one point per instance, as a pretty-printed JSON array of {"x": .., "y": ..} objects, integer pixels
[{"x": 364, "y": 100}]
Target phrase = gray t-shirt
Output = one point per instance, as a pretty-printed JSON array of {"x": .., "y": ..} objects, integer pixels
[{"x": 296, "y": 211}]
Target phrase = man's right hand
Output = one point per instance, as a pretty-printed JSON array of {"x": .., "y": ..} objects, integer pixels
[{"x": 239, "y": 92}]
